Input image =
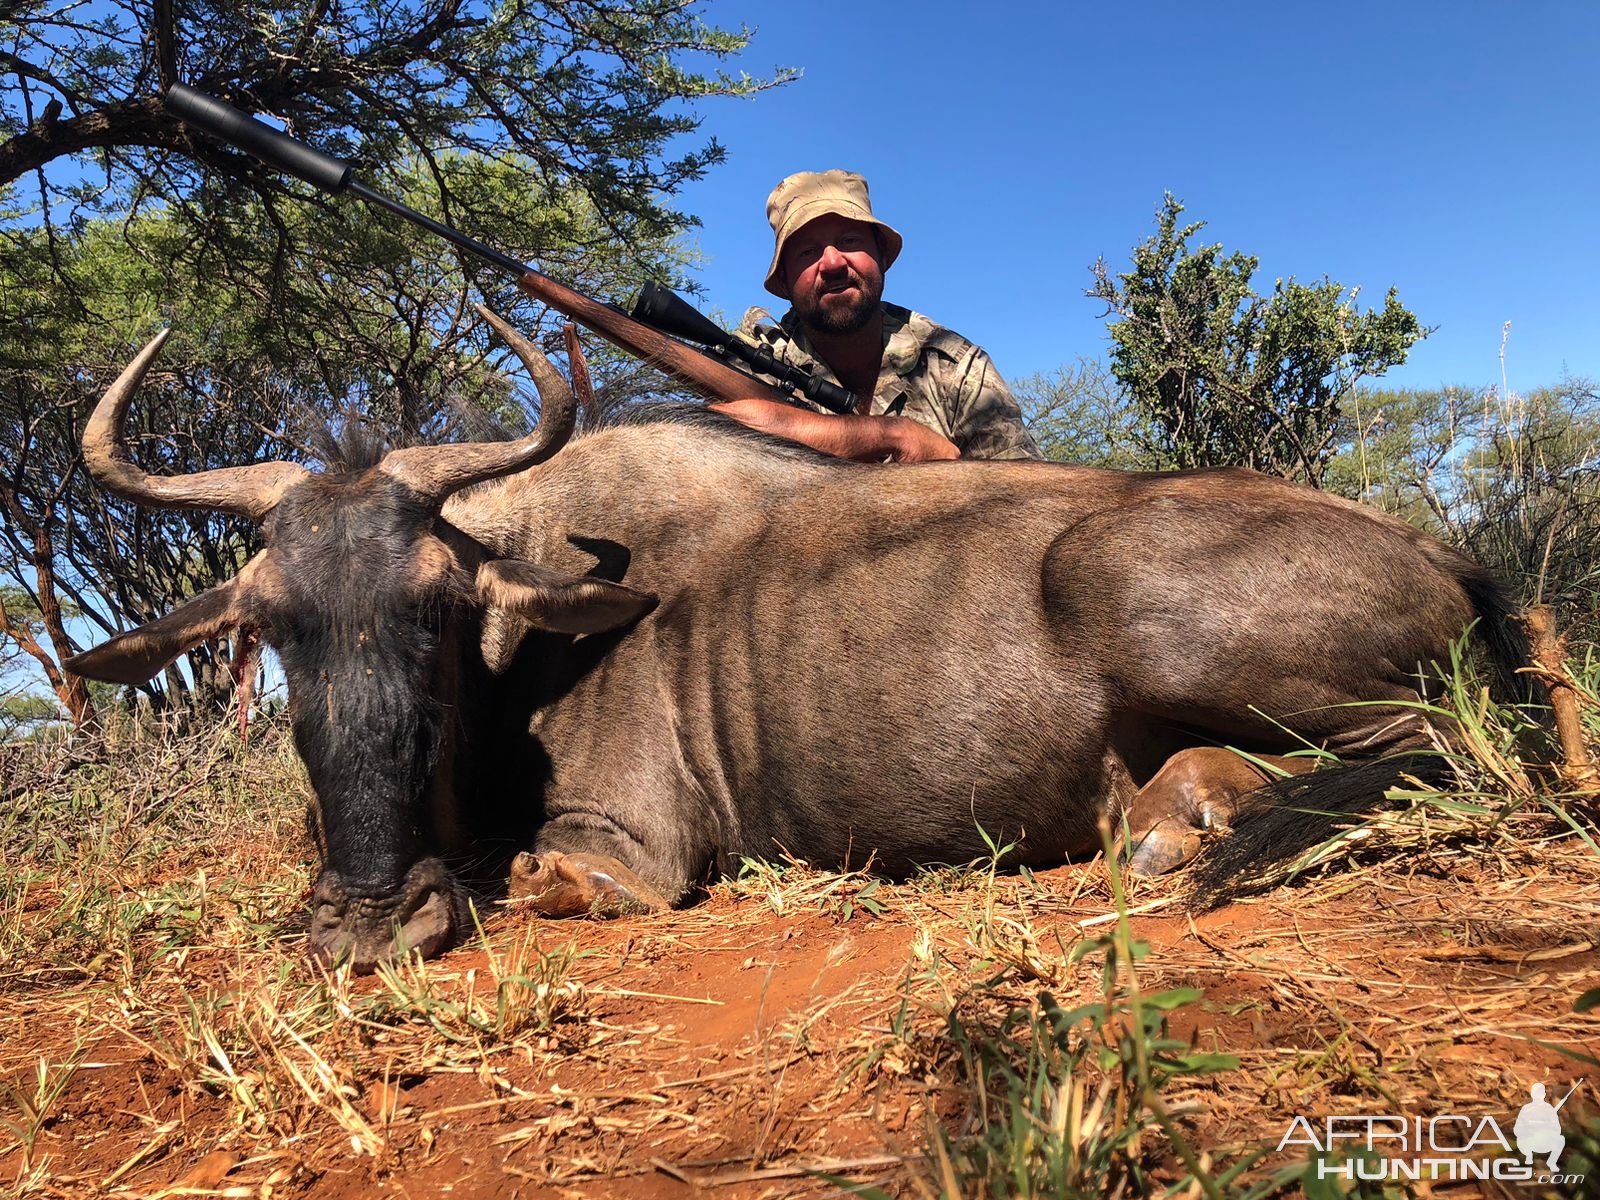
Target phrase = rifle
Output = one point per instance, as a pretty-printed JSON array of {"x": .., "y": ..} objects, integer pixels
[{"x": 706, "y": 373}]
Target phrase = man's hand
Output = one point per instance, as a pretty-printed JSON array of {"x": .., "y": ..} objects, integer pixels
[
  {"x": 867, "y": 439},
  {"x": 912, "y": 441}
]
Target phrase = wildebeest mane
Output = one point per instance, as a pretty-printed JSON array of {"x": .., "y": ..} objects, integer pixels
[
  {"x": 355, "y": 445},
  {"x": 350, "y": 446}
]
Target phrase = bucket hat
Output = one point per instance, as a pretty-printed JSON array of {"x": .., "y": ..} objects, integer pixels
[{"x": 807, "y": 195}]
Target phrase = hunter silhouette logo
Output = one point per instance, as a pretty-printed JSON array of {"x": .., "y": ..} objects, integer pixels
[
  {"x": 1538, "y": 1129},
  {"x": 1447, "y": 1146}
]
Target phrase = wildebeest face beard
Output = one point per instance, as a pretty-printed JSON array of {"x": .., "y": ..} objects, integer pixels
[
  {"x": 368, "y": 729},
  {"x": 358, "y": 629},
  {"x": 356, "y": 589}
]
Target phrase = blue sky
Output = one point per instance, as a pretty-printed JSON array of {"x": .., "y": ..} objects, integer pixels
[{"x": 1447, "y": 149}]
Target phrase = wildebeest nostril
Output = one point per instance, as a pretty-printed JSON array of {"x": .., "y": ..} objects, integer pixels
[
  {"x": 419, "y": 915},
  {"x": 431, "y": 927}
]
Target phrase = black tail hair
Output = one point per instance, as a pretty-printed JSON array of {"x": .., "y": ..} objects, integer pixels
[
  {"x": 1298, "y": 813},
  {"x": 1500, "y": 634}
]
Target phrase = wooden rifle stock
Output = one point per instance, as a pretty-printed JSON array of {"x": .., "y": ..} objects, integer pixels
[{"x": 695, "y": 369}]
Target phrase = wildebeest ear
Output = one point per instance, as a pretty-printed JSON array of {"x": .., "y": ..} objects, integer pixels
[
  {"x": 136, "y": 656},
  {"x": 556, "y": 601}
]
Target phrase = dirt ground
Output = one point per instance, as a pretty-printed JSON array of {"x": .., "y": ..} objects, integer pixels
[{"x": 782, "y": 1032}]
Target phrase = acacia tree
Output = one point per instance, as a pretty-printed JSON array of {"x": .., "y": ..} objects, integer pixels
[
  {"x": 69, "y": 552},
  {"x": 588, "y": 93},
  {"x": 1079, "y": 414},
  {"x": 1402, "y": 450},
  {"x": 1530, "y": 502},
  {"x": 555, "y": 131},
  {"x": 1229, "y": 377},
  {"x": 1513, "y": 479}
]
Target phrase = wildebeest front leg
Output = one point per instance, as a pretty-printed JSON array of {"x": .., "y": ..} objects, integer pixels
[{"x": 1197, "y": 792}]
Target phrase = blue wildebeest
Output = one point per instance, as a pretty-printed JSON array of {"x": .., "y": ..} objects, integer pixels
[{"x": 677, "y": 642}]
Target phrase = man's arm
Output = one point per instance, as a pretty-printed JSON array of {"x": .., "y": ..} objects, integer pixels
[
  {"x": 988, "y": 420},
  {"x": 867, "y": 439}
]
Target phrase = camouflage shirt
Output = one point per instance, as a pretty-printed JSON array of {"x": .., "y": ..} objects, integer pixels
[{"x": 929, "y": 374}]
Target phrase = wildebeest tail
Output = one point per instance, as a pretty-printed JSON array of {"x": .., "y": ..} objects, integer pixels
[
  {"x": 1298, "y": 813},
  {"x": 1499, "y": 633}
]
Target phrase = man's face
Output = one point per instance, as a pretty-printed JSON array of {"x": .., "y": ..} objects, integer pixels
[{"x": 834, "y": 270}]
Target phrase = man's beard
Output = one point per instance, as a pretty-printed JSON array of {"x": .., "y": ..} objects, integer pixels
[{"x": 836, "y": 320}]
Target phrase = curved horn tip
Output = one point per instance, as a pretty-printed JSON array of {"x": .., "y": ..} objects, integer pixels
[
  {"x": 158, "y": 341},
  {"x": 509, "y": 333},
  {"x": 121, "y": 391},
  {"x": 534, "y": 359}
]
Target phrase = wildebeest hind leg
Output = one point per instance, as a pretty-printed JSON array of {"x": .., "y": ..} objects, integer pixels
[
  {"x": 582, "y": 884},
  {"x": 1199, "y": 791}
]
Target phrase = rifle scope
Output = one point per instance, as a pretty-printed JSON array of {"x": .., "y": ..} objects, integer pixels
[{"x": 662, "y": 308}]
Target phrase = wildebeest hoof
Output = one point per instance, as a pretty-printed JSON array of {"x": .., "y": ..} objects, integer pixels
[
  {"x": 1163, "y": 849},
  {"x": 1174, "y": 841},
  {"x": 579, "y": 885},
  {"x": 1195, "y": 795}
]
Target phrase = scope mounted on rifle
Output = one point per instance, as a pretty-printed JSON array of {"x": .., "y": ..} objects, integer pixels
[{"x": 662, "y": 308}]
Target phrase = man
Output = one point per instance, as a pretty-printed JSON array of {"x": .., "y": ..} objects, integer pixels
[{"x": 922, "y": 391}]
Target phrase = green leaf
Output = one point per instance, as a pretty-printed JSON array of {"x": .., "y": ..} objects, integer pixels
[
  {"x": 1206, "y": 1064},
  {"x": 1173, "y": 998},
  {"x": 849, "y": 1188}
]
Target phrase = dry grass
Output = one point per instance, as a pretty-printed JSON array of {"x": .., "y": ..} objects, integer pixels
[{"x": 971, "y": 1032}]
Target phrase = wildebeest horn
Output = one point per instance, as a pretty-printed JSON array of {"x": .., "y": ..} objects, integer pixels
[
  {"x": 436, "y": 471},
  {"x": 248, "y": 491}
]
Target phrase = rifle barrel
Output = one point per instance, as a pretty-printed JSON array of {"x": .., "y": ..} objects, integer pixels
[
  {"x": 690, "y": 367},
  {"x": 454, "y": 236}
]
